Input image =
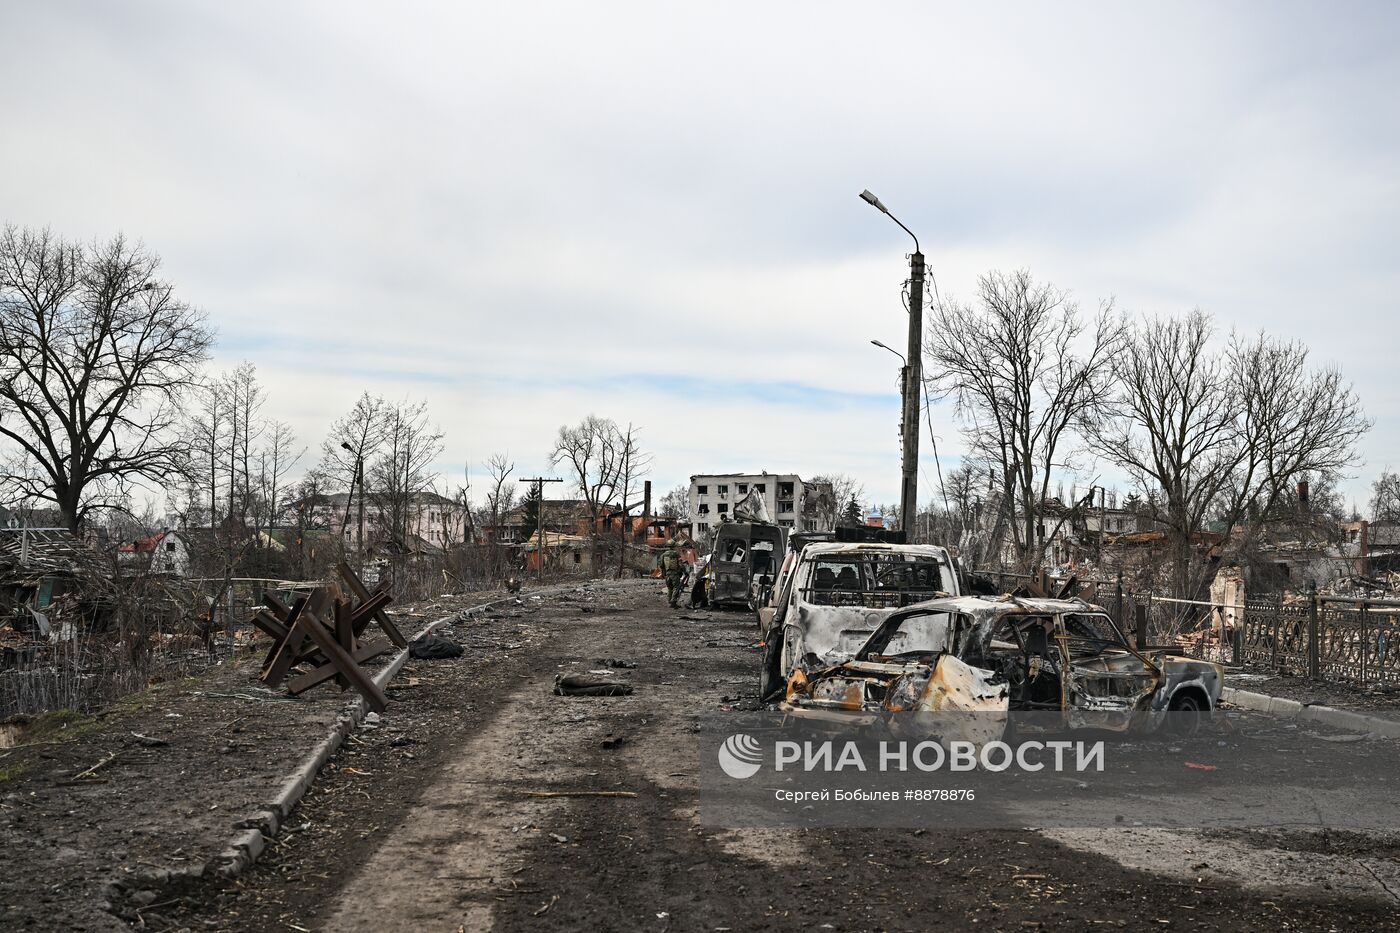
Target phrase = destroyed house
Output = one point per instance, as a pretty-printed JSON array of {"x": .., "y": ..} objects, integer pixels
[
  {"x": 563, "y": 516},
  {"x": 37, "y": 568}
]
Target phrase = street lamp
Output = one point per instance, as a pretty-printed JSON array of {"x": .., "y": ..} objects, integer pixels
[
  {"x": 913, "y": 376},
  {"x": 892, "y": 350},
  {"x": 359, "y": 477}
]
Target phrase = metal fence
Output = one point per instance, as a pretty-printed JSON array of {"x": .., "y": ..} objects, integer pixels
[{"x": 1322, "y": 637}]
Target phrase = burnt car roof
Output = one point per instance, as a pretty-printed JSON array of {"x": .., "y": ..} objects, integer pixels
[
  {"x": 985, "y": 606},
  {"x": 823, "y": 548}
]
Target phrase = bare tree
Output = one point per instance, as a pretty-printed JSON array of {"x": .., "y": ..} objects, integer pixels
[
  {"x": 95, "y": 355},
  {"x": 952, "y": 516},
  {"x": 1221, "y": 434},
  {"x": 1023, "y": 368},
  {"x": 1297, "y": 421},
  {"x": 593, "y": 450},
  {"x": 1172, "y": 426},
  {"x": 844, "y": 488},
  {"x": 403, "y": 474},
  {"x": 501, "y": 497},
  {"x": 1385, "y": 497},
  {"x": 276, "y": 458},
  {"x": 207, "y": 430},
  {"x": 675, "y": 504},
  {"x": 353, "y": 441},
  {"x": 244, "y": 399}
]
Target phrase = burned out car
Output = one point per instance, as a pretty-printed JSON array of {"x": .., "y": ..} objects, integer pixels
[
  {"x": 832, "y": 595},
  {"x": 1064, "y": 659},
  {"x": 743, "y": 562}
]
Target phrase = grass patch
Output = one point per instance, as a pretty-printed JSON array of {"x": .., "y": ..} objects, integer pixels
[{"x": 58, "y": 724}]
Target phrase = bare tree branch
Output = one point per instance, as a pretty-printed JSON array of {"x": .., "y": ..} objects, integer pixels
[{"x": 96, "y": 354}]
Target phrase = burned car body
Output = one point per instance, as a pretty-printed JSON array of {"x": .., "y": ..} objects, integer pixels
[
  {"x": 832, "y": 595},
  {"x": 1064, "y": 659}
]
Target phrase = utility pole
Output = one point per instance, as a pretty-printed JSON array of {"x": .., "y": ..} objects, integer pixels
[
  {"x": 539, "y": 482},
  {"x": 913, "y": 379}
]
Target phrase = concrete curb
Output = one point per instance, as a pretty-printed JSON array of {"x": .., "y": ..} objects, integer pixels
[
  {"x": 1326, "y": 715},
  {"x": 255, "y": 831}
]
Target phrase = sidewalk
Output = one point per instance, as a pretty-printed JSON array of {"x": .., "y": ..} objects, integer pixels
[{"x": 1338, "y": 704}]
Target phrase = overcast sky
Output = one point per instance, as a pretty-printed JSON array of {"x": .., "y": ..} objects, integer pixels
[{"x": 526, "y": 213}]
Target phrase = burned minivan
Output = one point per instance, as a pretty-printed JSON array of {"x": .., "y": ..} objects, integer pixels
[
  {"x": 744, "y": 559},
  {"x": 1063, "y": 659}
]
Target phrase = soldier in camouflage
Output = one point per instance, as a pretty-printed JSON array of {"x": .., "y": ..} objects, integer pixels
[{"x": 673, "y": 571}]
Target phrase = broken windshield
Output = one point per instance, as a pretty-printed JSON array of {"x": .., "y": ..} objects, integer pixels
[
  {"x": 1090, "y": 633},
  {"x": 922, "y": 633}
]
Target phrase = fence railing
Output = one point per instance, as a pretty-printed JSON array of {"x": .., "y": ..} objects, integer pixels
[{"x": 1323, "y": 638}]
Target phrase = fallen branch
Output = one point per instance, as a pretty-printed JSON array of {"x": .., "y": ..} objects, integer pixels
[
  {"x": 271, "y": 698},
  {"x": 89, "y": 771},
  {"x": 580, "y": 793}
]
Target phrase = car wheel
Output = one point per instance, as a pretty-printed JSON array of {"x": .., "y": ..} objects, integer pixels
[{"x": 1185, "y": 714}]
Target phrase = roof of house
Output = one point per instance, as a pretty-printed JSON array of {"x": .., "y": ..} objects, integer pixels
[
  {"x": 144, "y": 545},
  {"x": 553, "y": 539},
  {"x": 44, "y": 552},
  {"x": 338, "y": 500},
  {"x": 1384, "y": 534}
]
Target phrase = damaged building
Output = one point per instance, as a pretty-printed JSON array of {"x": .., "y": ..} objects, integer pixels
[{"x": 794, "y": 504}]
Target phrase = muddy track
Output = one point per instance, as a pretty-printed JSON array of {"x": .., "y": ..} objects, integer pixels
[{"x": 433, "y": 819}]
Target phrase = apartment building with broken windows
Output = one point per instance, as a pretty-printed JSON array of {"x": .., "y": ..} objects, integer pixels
[{"x": 791, "y": 502}]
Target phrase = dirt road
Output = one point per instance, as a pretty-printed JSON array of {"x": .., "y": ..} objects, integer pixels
[{"x": 431, "y": 819}]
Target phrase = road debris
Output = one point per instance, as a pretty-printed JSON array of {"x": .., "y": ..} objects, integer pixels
[
  {"x": 433, "y": 647},
  {"x": 590, "y": 685}
]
